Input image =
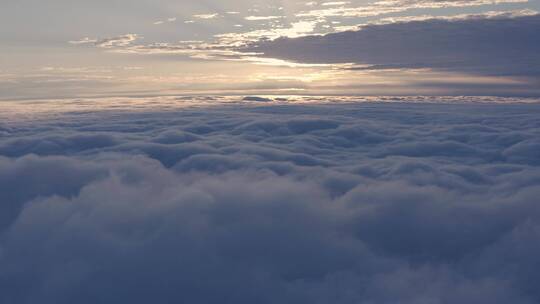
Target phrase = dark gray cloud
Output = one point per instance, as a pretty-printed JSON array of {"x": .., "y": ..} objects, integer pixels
[
  {"x": 272, "y": 203},
  {"x": 489, "y": 45}
]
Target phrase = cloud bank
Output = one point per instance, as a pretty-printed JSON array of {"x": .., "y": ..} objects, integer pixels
[
  {"x": 490, "y": 44},
  {"x": 269, "y": 202}
]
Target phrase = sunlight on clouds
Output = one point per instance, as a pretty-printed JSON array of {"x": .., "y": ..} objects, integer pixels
[
  {"x": 224, "y": 33},
  {"x": 118, "y": 41},
  {"x": 405, "y": 19},
  {"x": 223, "y": 48},
  {"x": 206, "y": 16},
  {"x": 237, "y": 77},
  {"x": 393, "y": 6},
  {"x": 259, "y": 18},
  {"x": 486, "y": 15},
  {"x": 296, "y": 29}
]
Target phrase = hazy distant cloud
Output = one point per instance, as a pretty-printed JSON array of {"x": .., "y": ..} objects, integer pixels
[
  {"x": 85, "y": 40},
  {"x": 118, "y": 41},
  {"x": 494, "y": 44},
  {"x": 173, "y": 19},
  {"x": 335, "y": 3},
  {"x": 111, "y": 42},
  {"x": 193, "y": 49}
]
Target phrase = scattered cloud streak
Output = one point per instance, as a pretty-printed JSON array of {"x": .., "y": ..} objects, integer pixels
[
  {"x": 206, "y": 16},
  {"x": 118, "y": 41},
  {"x": 393, "y": 6},
  {"x": 259, "y": 18},
  {"x": 111, "y": 42}
]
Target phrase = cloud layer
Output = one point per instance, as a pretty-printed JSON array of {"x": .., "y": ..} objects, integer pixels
[
  {"x": 268, "y": 202},
  {"x": 489, "y": 44}
]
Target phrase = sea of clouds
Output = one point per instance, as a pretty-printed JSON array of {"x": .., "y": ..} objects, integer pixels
[{"x": 141, "y": 201}]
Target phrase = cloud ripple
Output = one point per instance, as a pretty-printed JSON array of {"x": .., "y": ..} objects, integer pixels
[{"x": 273, "y": 203}]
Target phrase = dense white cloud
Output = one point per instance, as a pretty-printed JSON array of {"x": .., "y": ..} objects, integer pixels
[{"x": 177, "y": 200}]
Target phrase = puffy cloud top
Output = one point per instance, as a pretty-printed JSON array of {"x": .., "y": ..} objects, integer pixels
[{"x": 272, "y": 203}]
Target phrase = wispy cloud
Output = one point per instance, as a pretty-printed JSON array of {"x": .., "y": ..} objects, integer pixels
[
  {"x": 206, "y": 16},
  {"x": 118, "y": 41},
  {"x": 393, "y": 6},
  {"x": 259, "y": 18},
  {"x": 168, "y": 20},
  {"x": 335, "y": 3},
  {"x": 85, "y": 40},
  {"x": 110, "y": 42}
]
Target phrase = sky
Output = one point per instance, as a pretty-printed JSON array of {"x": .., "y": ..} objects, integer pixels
[
  {"x": 316, "y": 152},
  {"x": 74, "y": 48}
]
